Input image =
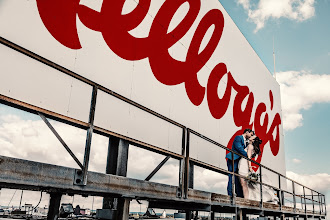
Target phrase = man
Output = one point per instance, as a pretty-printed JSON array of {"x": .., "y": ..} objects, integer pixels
[{"x": 238, "y": 146}]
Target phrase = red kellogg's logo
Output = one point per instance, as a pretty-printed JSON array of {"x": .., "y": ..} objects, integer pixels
[{"x": 59, "y": 17}]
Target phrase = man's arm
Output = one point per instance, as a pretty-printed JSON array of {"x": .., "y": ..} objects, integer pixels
[{"x": 239, "y": 146}]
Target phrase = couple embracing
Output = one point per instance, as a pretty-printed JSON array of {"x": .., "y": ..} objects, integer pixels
[{"x": 247, "y": 145}]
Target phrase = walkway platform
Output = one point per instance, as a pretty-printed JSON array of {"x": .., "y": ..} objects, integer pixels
[{"x": 29, "y": 175}]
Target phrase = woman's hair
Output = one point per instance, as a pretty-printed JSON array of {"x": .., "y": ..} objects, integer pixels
[{"x": 255, "y": 143}]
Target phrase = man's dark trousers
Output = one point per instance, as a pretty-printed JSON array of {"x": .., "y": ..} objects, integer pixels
[{"x": 238, "y": 186}]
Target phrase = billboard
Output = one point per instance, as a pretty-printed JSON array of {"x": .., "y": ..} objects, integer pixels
[{"x": 184, "y": 59}]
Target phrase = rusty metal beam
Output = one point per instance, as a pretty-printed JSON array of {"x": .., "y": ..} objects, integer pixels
[{"x": 29, "y": 175}]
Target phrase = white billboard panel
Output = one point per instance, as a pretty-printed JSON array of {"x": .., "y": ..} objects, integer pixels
[
  {"x": 184, "y": 59},
  {"x": 120, "y": 117},
  {"x": 28, "y": 80}
]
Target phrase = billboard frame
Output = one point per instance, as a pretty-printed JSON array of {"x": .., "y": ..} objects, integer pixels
[{"x": 184, "y": 192}]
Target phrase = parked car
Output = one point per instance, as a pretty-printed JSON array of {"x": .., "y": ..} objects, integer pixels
[{"x": 2, "y": 212}]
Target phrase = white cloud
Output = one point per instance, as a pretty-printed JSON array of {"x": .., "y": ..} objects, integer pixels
[
  {"x": 295, "y": 160},
  {"x": 299, "y": 91},
  {"x": 259, "y": 13},
  {"x": 210, "y": 181},
  {"x": 33, "y": 140},
  {"x": 319, "y": 182}
]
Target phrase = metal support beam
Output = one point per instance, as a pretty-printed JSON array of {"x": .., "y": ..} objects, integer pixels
[
  {"x": 305, "y": 200},
  {"x": 261, "y": 194},
  {"x": 157, "y": 168},
  {"x": 187, "y": 167},
  {"x": 280, "y": 193},
  {"x": 123, "y": 209},
  {"x": 196, "y": 215},
  {"x": 233, "y": 198},
  {"x": 239, "y": 214},
  {"x": 54, "y": 206},
  {"x": 313, "y": 201},
  {"x": 191, "y": 175},
  {"x": 89, "y": 135},
  {"x": 60, "y": 139},
  {"x": 29, "y": 175},
  {"x": 117, "y": 165},
  {"x": 188, "y": 215},
  {"x": 117, "y": 156},
  {"x": 212, "y": 215},
  {"x": 294, "y": 197},
  {"x": 182, "y": 164},
  {"x": 244, "y": 215},
  {"x": 325, "y": 205}
]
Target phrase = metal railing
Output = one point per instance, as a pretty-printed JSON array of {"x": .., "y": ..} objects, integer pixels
[
  {"x": 184, "y": 157},
  {"x": 321, "y": 197}
]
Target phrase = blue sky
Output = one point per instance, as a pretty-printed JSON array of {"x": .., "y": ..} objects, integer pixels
[{"x": 302, "y": 47}]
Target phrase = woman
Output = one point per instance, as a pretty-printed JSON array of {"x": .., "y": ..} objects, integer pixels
[
  {"x": 245, "y": 166},
  {"x": 252, "y": 191}
]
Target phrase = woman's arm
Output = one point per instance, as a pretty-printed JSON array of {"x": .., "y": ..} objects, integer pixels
[{"x": 249, "y": 153}]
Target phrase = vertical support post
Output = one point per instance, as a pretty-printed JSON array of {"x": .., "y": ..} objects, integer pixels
[
  {"x": 282, "y": 217},
  {"x": 20, "y": 201},
  {"x": 187, "y": 166},
  {"x": 261, "y": 196},
  {"x": 280, "y": 191},
  {"x": 305, "y": 199},
  {"x": 54, "y": 206},
  {"x": 123, "y": 209},
  {"x": 89, "y": 135},
  {"x": 233, "y": 198},
  {"x": 182, "y": 165},
  {"x": 325, "y": 205},
  {"x": 191, "y": 175},
  {"x": 117, "y": 165},
  {"x": 244, "y": 215},
  {"x": 239, "y": 214},
  {"x": 188, "y": 215},
  {"x": 319, "y": 199},
  {"x": 313, "y": 201},
  {"x": 117, "y": 156},
  {"x": 212, "y": 215},
  {"x": 294, "y": 198}
]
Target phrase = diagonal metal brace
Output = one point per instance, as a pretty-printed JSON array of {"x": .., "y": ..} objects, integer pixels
[
  {"x": 60, "y": 139},
  {"x": 157, "y": 168}
]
